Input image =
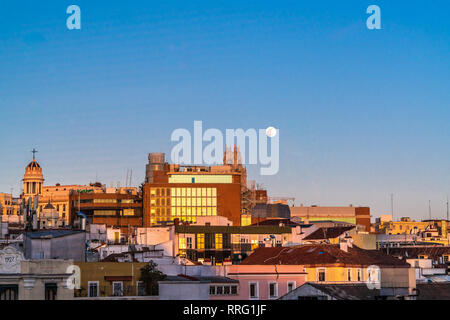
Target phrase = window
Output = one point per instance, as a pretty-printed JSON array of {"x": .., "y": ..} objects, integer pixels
[
  {"x": 359, "y": 275},
  {"x": 226, "y": 290},
  {"x": 321, "y": 275},
  {"x": 189, "y": 243},
  {"x": 219, "y": 241},
  {"x": 223, "y": 290},
  {"x": 200, "y": 241},
  {"x": 219, "y": 290},
  {"x": 234, "y": 290},
  {"x": 50, "y": 291},
  {"x": 349, "y": 274},
  {"x": 273, "y": 290},
  {"x": 9, "y": 292},
  {"x": 291, "y": 286},
  {"x": 254, "y": 294},
  {"x": 182, "y": 243},
  {"x": 118, "y": 288},
  {"x": 141, "y": 291},
  {"x": 92, "y": 288}
]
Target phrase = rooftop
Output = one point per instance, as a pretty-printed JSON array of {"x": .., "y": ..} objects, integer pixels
[
  {"x": 233, "y": 229},
  {"x": 51, "y": 233},
  {"x": 433, "y": 252},
  {"x": 214, "y": 279},
  {"x": 322, "y": 254},
  {"x": 358, "y": 291},
  {"x": 328, "y": 233}
]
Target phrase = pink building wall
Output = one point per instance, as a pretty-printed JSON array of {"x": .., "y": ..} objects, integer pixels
[{"x": 263, "y": 275}]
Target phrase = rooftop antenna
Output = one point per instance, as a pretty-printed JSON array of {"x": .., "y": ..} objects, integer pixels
[
  {"x": 392, "y": 206},
  {"x": 126, "y": 180},
  {"x": 447, "y": 208},
  {"x": 429, "y": 208},
  {"x": 131, "y": 175}
]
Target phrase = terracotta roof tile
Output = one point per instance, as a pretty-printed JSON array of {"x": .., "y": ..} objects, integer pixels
[
  {"x": 328, "y": 233},
  {"x": 321, "y": 254}
]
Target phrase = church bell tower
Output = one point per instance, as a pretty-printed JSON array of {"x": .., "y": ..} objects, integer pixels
[{"x": 33, "y": 179}]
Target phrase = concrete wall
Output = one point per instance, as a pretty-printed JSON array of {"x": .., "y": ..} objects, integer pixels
[
  {"x": 153, "y": 236},
  {"x": 403, "y": 280},
  {"x": 364, "y": 240},
  {"x": 263, "y": 275},
  {"x": 97, "y": 271},
  {"x": 35, "y": 274},
  {"x": 183, "y": 290},
  {"x": 67, "y": 247}
]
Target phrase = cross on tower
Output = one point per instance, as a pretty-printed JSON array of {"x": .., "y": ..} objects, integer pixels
[{"x": 34, "y": 151}]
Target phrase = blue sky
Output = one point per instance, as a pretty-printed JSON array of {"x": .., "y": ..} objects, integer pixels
[{"x": 362, "y": 114}]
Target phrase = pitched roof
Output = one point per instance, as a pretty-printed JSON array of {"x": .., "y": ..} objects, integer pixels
[
  {"x": 328, "y": 233},
  {"x": 51, "y": 233},
  {"x": 213, "y": 279},
  {"x": 433, "y": 291},
  {"x": 357, "y": 291},
  {"x": 322, "y": 254},
  {"x": 434, "y": 252},
  {"x": 276, "y": 222}
]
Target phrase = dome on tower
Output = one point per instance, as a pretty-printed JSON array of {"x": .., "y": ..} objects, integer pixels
[{"x": 33, "y": 165}]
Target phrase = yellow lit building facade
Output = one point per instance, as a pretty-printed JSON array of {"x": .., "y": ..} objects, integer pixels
[
  {"x": 188, "y": 195},
  {"x": 185, "y": 204}
]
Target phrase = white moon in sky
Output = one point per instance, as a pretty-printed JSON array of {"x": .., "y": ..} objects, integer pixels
[{"x": 271, "y": 132}]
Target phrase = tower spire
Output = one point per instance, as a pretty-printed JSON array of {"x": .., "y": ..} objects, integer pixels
[{"x": 34, "y": 151}]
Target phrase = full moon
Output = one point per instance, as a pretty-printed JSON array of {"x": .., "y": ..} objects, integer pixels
[{"x": 271, "y": 132}]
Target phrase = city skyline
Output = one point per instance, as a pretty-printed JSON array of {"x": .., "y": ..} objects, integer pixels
[{"x": 362, "y": 113}]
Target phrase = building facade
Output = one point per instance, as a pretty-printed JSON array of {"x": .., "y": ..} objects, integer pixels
[
  {"x": 350, "y": 214},
  {"x": 22, "y": 279}
]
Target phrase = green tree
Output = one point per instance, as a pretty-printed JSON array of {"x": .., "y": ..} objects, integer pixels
[{"x": 150, "y": 275}]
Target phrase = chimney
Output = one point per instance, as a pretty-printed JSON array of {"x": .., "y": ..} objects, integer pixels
[{"x": 343, "y": 245}]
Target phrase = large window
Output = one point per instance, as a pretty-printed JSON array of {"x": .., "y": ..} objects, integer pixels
[
  {"x": 219, "y": 241},
  {"x": 141, "y": 290},
  {"x": 9, "y": 292},
  {"x": 93, "y": 289},
  {"x": 273, "y": 290},
  {"x": 321, "y": 275},
  {"x": 200, "y": 241},
  {"x": 254, "y": 294},
  {"x": 50, "y": 291},
  {"x": 223, "y": 290},
  {"x": 291, "y": 286},
  {"x": 185, "y": 204},
  {"x": 117, "y": 288}
]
